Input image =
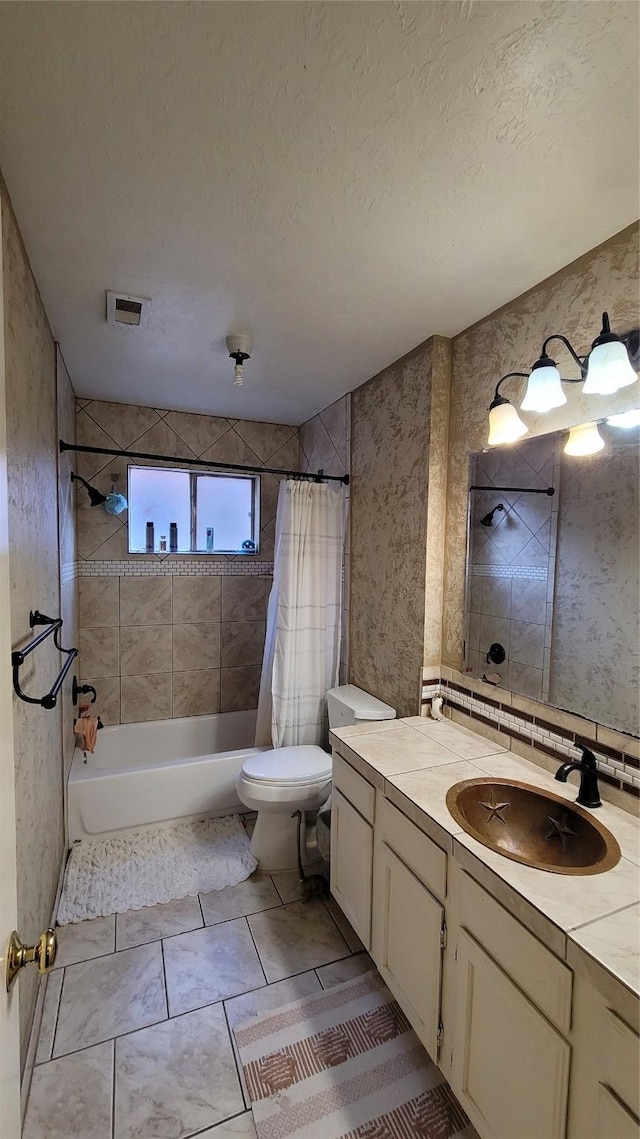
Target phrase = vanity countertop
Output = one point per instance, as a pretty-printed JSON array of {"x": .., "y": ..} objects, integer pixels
[{"x": 583, "y": 919}]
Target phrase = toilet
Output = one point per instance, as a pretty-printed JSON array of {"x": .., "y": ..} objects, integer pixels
[{"x": 278, "y": 782}]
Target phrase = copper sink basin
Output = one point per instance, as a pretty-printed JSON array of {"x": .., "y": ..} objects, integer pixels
[{"x": 533, "y": 826}]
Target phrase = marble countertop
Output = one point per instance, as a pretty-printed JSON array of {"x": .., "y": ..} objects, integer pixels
[{"x": 415, "y": 762}]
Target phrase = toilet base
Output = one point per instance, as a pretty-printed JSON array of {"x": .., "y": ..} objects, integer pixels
[{"x": 274, "y": 843}]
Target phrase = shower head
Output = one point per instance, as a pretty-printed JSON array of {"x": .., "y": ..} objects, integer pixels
[{"x": 488, "y": 518}]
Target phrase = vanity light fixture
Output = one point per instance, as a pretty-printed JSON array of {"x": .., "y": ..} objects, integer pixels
[
  {"x": 625, "y": 418},
  {"x": 585, "y": 439},
  {"x": 604, "y": 370}
]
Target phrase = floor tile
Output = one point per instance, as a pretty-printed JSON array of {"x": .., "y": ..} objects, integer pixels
[
  {"x": 176, "y": 1077},
  {"x": 85, "y": 940},
  {"x": 288, "y": 882},
  {"x": 256, "y": 893},
  {"x": 135, "y": 927},
  {"x": 209, "y": 965},
  {"x": 340, "y": 971},
  {"x": 71, "y": 1097},
  {"x": 110, "y": 996},
  {"x": 242, "y": 1127},
  {"x": 295, "y": 938},
  {"x": 346, "y": 929},
  {"x": 49, "y": 1016}
]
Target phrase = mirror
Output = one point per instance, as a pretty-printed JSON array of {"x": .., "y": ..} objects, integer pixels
[{"x": 552, "y": 586}]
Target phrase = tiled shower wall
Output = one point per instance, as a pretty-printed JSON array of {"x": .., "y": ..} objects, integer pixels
[
  {"x": 510, "y": 582},
  {"x": 172, "y": 635},
  {"x": 325, "y": 444}
]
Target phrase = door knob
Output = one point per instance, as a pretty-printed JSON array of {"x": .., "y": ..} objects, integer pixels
[{"x": 43, "y": 953}]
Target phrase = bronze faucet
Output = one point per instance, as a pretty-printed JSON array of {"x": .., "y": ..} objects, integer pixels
[{"x": 588, "y": 795}]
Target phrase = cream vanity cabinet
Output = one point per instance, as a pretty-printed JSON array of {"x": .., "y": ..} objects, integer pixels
[
  {"x": 508, "y": 1016},
  {"x": 408, "y": 922},
  {"x": 352, "y": 816},
  {"x": 604, "y": 1101}
]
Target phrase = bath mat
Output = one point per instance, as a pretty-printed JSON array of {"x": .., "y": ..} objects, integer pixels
[
  {"x": 345, "y": 1064},
  {"x": 148, "y": 867}
]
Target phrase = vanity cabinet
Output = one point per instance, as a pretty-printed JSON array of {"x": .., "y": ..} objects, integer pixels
[
  {"x": 510, "y": 1065},
  {"x": 508, "y": 1017},
  {"x": 408, "y": 926},
  {"x": 604, "y": 1100},
  {"x": 352, "y": 815}
]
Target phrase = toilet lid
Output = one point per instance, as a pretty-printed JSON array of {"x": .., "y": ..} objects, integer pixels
[{"x": 303, "y": 763}]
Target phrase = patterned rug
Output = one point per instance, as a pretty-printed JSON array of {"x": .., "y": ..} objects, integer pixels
[{"x": 345, "y": 1064}]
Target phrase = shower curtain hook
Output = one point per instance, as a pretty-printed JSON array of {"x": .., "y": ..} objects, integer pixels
[{"x": 319, "y": 475}]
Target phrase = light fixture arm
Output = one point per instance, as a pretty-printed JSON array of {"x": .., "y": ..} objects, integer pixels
[
  {"x": 581, "y": 361},
  {"x": 520, "y": 375}
]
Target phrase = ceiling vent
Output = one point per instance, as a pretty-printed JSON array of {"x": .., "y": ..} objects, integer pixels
[{"x": 123, "y": 309}]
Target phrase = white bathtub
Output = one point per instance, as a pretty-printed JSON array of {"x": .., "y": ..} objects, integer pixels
[{"x": 152, "y": 774}]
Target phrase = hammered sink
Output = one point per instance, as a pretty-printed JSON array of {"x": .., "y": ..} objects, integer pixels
[{"x": 533, "y": 826}]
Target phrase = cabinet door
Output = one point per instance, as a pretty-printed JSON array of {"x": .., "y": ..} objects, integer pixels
[
  {"x": 615, "y": 1121},
  {"x": 407, "y": 925},
  {"x": 352, "y": 865},
  {"x": 510, "y": 1066}
]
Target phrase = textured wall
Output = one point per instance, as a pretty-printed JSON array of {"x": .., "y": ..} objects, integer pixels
[
  {"x": 509, "y": 340},
  {"x": 33, "y": 569},
  {"x": 390, "y": 466},
  {"x": 179, "y": 634},
  {"x": 596, "y": 635},
  {"x": 325, "y": 444}
]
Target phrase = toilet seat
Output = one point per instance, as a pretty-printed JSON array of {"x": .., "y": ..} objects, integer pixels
[{"x": 296, "y": 766}]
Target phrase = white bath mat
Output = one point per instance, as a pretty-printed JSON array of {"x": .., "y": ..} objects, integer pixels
[{"x": 148, "y": 867}]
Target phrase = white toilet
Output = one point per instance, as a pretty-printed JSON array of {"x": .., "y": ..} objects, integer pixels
[{"x": 278, "y": 782}]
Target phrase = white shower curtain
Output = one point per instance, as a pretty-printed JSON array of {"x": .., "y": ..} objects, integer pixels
[{"x": 302, "y": 647}]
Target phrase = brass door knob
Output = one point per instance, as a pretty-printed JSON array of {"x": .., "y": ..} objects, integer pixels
[{"x": 43, "y": 953}]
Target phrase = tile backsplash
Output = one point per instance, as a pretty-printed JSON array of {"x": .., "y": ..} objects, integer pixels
[{"x": 539, "y": 732}]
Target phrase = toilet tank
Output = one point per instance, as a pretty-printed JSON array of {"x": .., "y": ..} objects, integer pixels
[{"x": 350, "y": 705}]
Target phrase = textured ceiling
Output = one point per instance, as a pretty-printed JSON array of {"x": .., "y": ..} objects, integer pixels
[{"x": 342, "y": 179}]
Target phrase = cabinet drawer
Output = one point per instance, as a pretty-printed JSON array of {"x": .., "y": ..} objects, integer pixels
[
  {"x": 546, "y": 980},
  {"x": 621, "y": 1059},
  {"x": 354, "y": 788},
  {"x": 427, "y": 861}
]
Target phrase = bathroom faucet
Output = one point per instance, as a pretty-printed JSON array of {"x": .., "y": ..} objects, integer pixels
[{"x": 588, "y": 795}]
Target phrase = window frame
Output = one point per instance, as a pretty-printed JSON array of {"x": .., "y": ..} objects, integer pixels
[{"x": 194, "y": 475}]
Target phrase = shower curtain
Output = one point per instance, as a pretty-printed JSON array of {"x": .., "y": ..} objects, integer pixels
[{"x": 302, "y": 646}]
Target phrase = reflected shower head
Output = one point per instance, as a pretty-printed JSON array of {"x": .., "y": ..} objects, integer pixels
[{"x": 488, "y": 518}]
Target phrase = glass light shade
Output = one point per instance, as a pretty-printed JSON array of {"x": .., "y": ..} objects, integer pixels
[
  {"x": 544, "y": 390},
  {"x": 585, "y": 439},
  {"x": 505, "y": 425},
  {"x": 608, "y": 369},
  {"x": 625, "y": 418}
]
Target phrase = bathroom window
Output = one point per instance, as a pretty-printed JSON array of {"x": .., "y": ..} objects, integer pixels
[{"x": 186, "y": 512}]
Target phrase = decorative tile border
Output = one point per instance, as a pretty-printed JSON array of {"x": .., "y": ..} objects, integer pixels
[
  {"x": 615, "y": 767},
  {"x": 240, "y": 568},
  {"x": 528, "y": 573}
]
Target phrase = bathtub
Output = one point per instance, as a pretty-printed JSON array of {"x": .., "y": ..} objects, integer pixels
[{"x": 152, "y": 774}]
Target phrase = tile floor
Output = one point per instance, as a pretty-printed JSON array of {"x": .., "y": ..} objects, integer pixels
[{"x": 136, "y": 1034}]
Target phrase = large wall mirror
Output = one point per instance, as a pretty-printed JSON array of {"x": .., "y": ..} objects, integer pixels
[{"x": 553, "y": 583}]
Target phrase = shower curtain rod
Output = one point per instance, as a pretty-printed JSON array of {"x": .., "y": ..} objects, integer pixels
[
  {"x": 317, "y": 476},
  {"x": 521, "y": 489}
]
